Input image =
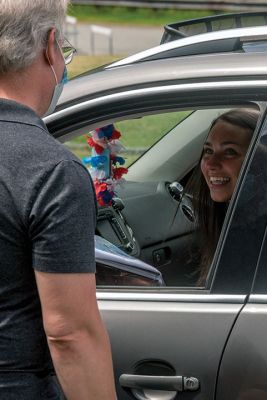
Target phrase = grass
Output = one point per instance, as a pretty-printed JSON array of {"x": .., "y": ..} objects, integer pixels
[
  {"x": 122, "y": 16},
  {"x": 137, "y": 135},
  {"x": 83, "y": 63},
  {"x": 133, "y": 16},
  {"x": 143, "y": 132}
]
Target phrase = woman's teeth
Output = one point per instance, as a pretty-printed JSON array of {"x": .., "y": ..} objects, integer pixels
[{"x": 215, "y": 180}]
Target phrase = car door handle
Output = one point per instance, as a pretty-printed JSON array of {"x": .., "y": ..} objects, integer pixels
[{"x": 165, "y": 383}]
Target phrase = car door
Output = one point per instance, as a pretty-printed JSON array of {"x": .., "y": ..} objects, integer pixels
[
  {"x": 169, "y": 343},
  {"x": 179, "y": 335}
]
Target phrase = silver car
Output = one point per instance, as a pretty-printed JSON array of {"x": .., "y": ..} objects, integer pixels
[{"x": 171, "y": 337}]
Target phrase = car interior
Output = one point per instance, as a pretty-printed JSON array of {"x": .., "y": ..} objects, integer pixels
[{"x": 151, "y": 218}]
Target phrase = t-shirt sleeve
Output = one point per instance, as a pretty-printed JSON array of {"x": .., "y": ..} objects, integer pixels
[{"x": 62, "y": 221}]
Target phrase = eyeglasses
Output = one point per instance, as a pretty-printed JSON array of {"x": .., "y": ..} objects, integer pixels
[{"x": 68, "y": 51}]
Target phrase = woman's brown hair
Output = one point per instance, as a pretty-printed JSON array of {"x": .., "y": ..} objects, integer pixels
[{"x": 209, "y": 214}]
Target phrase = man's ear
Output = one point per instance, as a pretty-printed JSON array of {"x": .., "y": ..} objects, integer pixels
[{"x": 51, "y": 47}]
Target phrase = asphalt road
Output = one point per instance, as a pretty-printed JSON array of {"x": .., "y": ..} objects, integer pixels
[{"x": 118, "y": 40}]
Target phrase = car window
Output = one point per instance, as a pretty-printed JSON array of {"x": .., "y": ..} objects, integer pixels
[
  {"x": 107, "y": 275},
  {"x": 138, "y": 135},
  {"x": 151, "y": 212}
]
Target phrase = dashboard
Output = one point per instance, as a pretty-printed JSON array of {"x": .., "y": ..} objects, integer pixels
[
  {"x": 154, "y": 222},
  {"x": 112, "y": 226}
]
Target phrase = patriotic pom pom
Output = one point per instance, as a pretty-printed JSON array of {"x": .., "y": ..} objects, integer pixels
[{"x": 104, "y": 170}]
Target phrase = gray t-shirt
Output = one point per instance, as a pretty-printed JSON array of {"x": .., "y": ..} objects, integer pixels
[{"x": 47, "y": 223}]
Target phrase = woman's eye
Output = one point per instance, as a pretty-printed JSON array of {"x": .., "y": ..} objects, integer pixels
[
  {"x": 207, "y": 151},
  {"x": 230, "y": 152}
]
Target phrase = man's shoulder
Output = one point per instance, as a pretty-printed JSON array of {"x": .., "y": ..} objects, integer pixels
[
  {"x": 25, "y": 138},
  {"x": 17, "y": 113}
]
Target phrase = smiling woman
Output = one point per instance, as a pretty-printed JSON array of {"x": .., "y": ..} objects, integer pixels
[
  {"x": 215, "y": 177},
  {"x": 223, "y": 154}
]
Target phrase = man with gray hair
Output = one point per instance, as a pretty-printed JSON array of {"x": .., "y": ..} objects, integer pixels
[{"x": 49, "y": 317}]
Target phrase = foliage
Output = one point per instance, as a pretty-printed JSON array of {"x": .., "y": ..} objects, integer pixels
[
  {"x": 138, "y": 134},
  {"x": 134, "y": 16},
  {"x": 83, "y": 63}
]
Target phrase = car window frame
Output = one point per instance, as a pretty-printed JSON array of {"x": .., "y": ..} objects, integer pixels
[
  {"x": 218, "y": 281},
  {"x": 203, "y": 98}
]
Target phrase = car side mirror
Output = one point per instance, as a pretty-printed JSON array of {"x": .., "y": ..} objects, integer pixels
[{"x": 114, "y": 267}]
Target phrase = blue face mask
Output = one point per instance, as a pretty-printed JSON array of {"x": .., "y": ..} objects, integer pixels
[
  {"x": 65, "y": 78},
  {"x": 57, "y": 91}
]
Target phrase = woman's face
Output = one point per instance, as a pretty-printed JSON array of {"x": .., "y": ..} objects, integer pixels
[{"x": 223, "y": 154}]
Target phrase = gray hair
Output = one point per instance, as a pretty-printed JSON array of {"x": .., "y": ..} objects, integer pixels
[{"x": 24, "y": 27}]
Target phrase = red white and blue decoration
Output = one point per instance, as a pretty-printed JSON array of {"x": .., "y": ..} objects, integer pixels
[{"x": 106, "y": 166}]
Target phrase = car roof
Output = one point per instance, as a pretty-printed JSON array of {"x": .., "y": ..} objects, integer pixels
[
  {"x": 212, "y": 34},
  {"x": 237, "y": 41},
  {"x": 148, "y": 74},
  {"x": 229, "y": 40},
  {"x": 95, "y": 98},
  {"x": 221, "y": 56}
]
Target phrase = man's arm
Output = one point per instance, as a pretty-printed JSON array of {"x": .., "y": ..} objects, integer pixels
[{"x": 77, "y": 339}]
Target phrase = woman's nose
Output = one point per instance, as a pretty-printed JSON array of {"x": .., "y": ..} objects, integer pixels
[{"x": 213, "y": 160}]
